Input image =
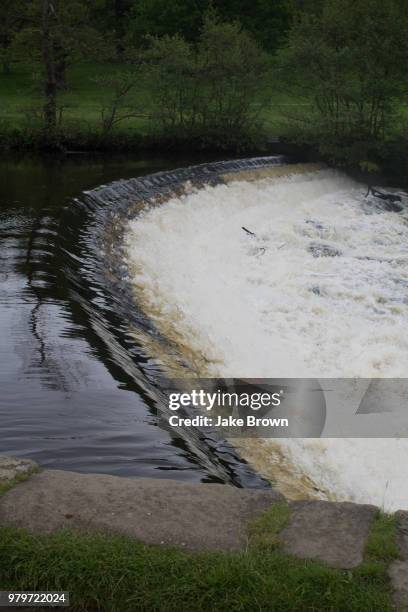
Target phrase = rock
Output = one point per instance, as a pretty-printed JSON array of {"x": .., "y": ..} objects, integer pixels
[
  {"x": 316, "y": 224},
  {"x": 332, "y": 532},
  {"x": 389, "y": 200},
  {"x": 323, "y": 250},
  {"x": 401, "y": 281},
  {"x": 380, "y": 206},
  {"x": 398, "y": 570},
  {"x": 197, "y": 516},
  {"x": 392, "y": 207},
  {"x": 11, "y": 467},
  {"x": 402, "y": 533},
  {"x": 398, "y": 573}
]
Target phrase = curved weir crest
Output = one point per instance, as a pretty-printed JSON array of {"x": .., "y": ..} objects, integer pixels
[
  {"x": 92, "y": 249},
  {"x": 315, "y": 285}
]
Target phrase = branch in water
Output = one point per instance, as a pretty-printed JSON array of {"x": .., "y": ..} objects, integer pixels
[{"x": 390, "y": 197}]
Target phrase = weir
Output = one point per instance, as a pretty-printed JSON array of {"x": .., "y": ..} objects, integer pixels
[
  {"x": 299, "y": 296},
  {"x": 100, "y": 284},
  {"x": 174, "y": 287}
]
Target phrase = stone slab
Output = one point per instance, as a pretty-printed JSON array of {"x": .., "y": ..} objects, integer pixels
[
  {"x": 398, "y": 573},
  {"x": 332, "y": 532},
  {"x": 402, "y": 533},
  {"x": 398, "y": 570},
  {"x": 194, "y": 516}
]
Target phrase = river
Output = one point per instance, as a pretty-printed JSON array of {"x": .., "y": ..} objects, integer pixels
[{"x": 73, "y": 394}]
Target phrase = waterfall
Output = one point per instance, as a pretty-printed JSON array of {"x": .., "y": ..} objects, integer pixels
[{"x": 263, "y": 269}]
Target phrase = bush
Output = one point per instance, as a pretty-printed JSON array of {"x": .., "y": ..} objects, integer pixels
[
  {"x": 349, "y": 58},
  {"x": 212, "y": 91}
]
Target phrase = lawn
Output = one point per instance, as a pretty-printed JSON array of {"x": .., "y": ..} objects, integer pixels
[
  {"x": 113, "y": 573},
  {"x": 21, "y": 100}
]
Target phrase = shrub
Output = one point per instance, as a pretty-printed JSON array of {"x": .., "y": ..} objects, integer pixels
[
  {"x": 349, "y": 58},
  {"x": 211, "y": 91}
]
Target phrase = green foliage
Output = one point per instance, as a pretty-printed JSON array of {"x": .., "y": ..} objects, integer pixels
[
  {"x": 56, "y": 34},
  {"x": 111, "y": 573},
  {"x": 163, "y": 18},
  {"x": 368, "y": 166},
  {"x": 171, "y": 75},
  {"x": 380, "y": 550},
  {"x": 267, "y": 21},
  {"x": 116, "y": 105},
  {"x": 11, "y": 22},
  {"x": 208, "y": 91},
  {"x": 349, "y": 58},
  {"x": 71, "y": 33},
  {"x": 233, "y": 70},
  {"x": 339, "y": 84},
  {"x": 112, "y": 17},
  {"x": 264, "y": 531},
  {"x": 381, "y": 544}
]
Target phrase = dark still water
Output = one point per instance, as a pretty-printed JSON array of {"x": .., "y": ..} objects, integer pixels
[{"x": 75, "y": 392}]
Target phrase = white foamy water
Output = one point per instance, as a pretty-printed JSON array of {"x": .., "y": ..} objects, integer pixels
[{"x": 277, "y": 305}]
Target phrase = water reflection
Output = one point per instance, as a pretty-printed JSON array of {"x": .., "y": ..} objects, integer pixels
[{"x": 70, "y": 397}]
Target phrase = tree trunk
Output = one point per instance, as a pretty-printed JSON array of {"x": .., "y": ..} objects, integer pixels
[
  {"x": 61, "y": 69},
  {"x": 6, "y": 66},
  {"x": 50, "y": 81},
  {"x": 6, "y": 55}
]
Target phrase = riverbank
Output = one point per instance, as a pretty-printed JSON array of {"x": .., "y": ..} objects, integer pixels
[
  {"x": 389, "y": 169},
  {"x": 109, "y": 566},
  {"x": 90, "y": 140},
  {"x": 117, "y": 543},
  {"x": 80, "y": 131}
]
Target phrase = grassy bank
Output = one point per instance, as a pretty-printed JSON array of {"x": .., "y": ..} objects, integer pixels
[
  {"x": 80, "y": 107},
  {"x": 80, "y": 126},
  {"x": 22, "y": 100},
  {"x": 116, "y": 574}
]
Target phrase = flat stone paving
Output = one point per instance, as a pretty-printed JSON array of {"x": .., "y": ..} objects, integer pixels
[
  {"x": 194, "y": 516},
  {"x": 398, "y": 570},
  {"x": 332, "y": 532}
]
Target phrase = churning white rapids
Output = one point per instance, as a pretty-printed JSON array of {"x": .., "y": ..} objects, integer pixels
[{"x": 319, "y": 289}]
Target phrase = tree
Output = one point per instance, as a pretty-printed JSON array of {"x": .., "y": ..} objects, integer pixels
[
  {"x": 113, "y": 16},
  {"x": 57, "y": 33},
  {"x": 163, "y": 18},
  {"x": 211, "y": 90},
  {"x": 349, "y": 57},
  {"x": 266, "y": 20},
  {"x": 232, "y": 73},
  {"x": 120, "y": 9},
  {"x": 172, "y": 80},
  {"x": 11, "y": 20},
  {"x": 116, "y": 106}
]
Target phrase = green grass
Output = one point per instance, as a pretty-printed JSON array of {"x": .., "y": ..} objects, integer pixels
[
  {"x": 116, "y": 574},
  {"x": 20, "y": 95},
  {"x": 281, "y": 115},
  {"x": 264, "y": 531},
  {"x": 381, "y": 545}
]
